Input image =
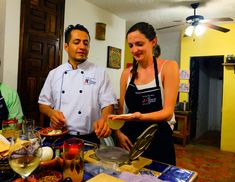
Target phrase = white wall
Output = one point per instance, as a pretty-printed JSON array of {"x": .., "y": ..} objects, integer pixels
[
  {"x": 76, "y": 11},
  {"x": 11, "y": 42},
  {"x": 2, "y": 32},
  {"x": 82, "y": 12},
  {"x": 169, "y": 42}
]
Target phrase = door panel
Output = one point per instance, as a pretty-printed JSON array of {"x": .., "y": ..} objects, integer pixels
[{"x": 41, "y": 39}]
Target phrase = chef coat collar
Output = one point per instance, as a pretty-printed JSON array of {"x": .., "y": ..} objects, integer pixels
[{"x": 81, "y": 66}]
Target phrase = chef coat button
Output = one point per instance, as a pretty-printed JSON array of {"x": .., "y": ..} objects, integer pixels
[
  {"x": 80, "y": 91},
  {"x": 79, "y": 112},
  {"x": 65, "y": 72},
  {"x": 82, "y": 72},
  {"x": 63, "y": 91}
]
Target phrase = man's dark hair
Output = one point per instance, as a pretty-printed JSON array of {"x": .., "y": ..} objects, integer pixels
[{"x": 68, "y": 30}]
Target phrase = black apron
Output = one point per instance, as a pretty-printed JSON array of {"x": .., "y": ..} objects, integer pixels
[
  {"x": 145, "y": 101},
  {"x": 3, "y": 110}
]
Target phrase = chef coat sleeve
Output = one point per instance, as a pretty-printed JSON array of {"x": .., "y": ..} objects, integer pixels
[
  {"x": 106, "y": 95},
  {"x": 45, "y": 96}
]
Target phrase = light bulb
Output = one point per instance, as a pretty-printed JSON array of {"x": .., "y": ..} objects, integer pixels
[
  {"x": 199, "y": 30},
  {"x": 189, "y": 30}
]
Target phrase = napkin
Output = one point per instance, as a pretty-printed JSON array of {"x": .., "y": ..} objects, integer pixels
[{"x": 4, "y": 146}]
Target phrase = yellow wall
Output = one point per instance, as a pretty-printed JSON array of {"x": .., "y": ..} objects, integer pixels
[
  {"x": 216, "y": 43},
  {"x": 127, "y": 57}
]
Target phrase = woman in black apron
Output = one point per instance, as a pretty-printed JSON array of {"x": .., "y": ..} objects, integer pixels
[{"x": 146, "y": 104}]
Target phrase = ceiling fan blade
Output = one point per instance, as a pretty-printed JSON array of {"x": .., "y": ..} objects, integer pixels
[
  {"x": 215, "y": 27},
  {"x": 216, "y": 19},
  {"x": 168, "y": 27}
]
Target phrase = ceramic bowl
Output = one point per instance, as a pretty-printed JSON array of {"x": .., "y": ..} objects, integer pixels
[
  {"x": 50, "y": 132},
  {"x": 49, "y": 164}
]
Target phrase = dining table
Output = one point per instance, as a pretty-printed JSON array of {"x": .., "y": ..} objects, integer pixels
[{"x": 94, "y": 167}]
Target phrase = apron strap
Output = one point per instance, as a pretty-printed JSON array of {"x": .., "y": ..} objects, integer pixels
[{"x": 156, "y": 73}]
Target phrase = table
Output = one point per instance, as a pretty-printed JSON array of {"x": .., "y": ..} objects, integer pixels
[
  {"x": 163, "y": 171},
  {"x": 182, "y": 126}
]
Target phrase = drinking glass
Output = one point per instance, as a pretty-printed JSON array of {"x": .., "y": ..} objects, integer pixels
[
  {"x": 10, "y": 128},
  {"x": 25, "y": 153},
  {"x": 28, "y": 124},
  {"x": 73, "y": 157}
]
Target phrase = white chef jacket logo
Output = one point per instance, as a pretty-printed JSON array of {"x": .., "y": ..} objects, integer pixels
[{"x": 89, "y": 81}]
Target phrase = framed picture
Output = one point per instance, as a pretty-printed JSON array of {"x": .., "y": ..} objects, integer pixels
[
  {"x": 114, "y": 57},
  {"x": 100, "y": 31},
  {"x": 184, "y": 87},
  {"x": 184, "y": 74}
]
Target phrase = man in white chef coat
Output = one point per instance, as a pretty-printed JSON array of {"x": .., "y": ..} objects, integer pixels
[{"x": 78, "y": 94}]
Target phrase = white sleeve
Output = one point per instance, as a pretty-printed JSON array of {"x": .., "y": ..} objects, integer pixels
[
  {"x": 107, "y": 95},
  {"x": 45, "y": 96}
]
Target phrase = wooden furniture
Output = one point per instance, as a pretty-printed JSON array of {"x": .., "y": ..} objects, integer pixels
[
  {"x": 182, "y": 126},
  {"x": 229, "y": 64}
]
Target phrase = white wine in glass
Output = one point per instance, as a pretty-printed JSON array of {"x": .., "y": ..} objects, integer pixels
[{"x": 25, "y": 154}]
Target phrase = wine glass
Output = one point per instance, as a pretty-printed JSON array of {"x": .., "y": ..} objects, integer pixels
[{"x": 25, "y": 153}]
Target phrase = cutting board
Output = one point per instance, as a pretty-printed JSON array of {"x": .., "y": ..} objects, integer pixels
[
  {"x": 102, "y": 177},
  {"x": 133, "y": 167}
]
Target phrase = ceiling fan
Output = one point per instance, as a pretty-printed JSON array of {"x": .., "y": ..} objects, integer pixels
[{"x": 198, "y": 20}]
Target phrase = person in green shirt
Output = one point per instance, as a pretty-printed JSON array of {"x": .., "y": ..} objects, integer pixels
[{"x": 10, "y": 106}]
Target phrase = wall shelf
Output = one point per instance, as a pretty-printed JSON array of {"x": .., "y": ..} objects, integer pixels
[{"x": 229, "y": 64}]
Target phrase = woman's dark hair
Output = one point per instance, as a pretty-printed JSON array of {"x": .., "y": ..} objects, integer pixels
[
  {"x": 149, "y": 32},
  {"x": 157, "y": 50},
  {"x": 68, "y": 30}
]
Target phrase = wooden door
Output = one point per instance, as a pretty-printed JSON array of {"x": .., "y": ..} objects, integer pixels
[{"x": 41, "y": 48}]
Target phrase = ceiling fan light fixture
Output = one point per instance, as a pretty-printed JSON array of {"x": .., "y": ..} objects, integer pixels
[
  {"x": 199, "y": 30},
  {"x": 189, "y": 30}
]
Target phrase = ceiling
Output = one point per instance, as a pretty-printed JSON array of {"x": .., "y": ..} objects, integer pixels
[{"x": 162, "y": 13}]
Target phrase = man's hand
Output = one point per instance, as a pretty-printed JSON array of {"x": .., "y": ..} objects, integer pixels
[
  {"x": 57, "y": 119},
  {"x": 102, "y": 129}
]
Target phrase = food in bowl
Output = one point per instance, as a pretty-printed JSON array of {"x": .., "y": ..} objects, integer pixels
[
  {"x": 54, "y": 132},
  {"x": 31, "y": 178},
  {"x": 44, "y": 176},
  {"x": 50, "y": 132},
  {"x": 49, "y": 175}
]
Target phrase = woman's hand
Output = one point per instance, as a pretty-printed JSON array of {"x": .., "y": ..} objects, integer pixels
[
  {"x": 123, "y": 141},
  {"x": 126, "y": 117}
]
